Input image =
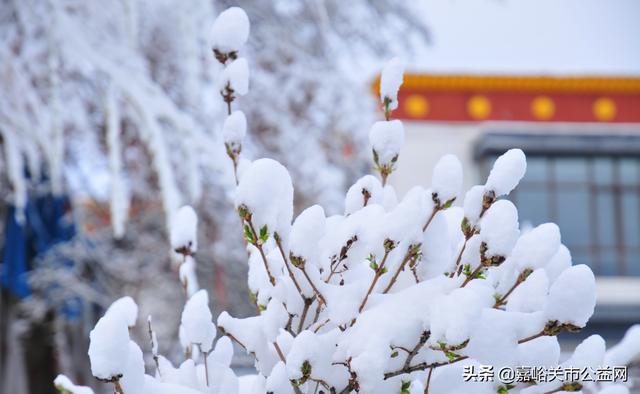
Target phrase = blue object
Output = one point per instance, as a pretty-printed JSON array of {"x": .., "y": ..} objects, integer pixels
[{"x": 43, "y": 227}]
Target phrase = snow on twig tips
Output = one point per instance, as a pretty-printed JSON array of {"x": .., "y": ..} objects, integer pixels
[
  {"x": 387, "y": 139},
  {"x": 197, "y": 321},
  {"x": 506, "y": 173},
  {"x": 233, "y": 132},
  {"x": 446, "y": 181},
  {"x": 65, "y": 386},
  {"x": 265, "y": 198},
  {"x": 229, "y": 33},
  {"x": 390, "y": 82},
  {"x": 184, "y": 225}
]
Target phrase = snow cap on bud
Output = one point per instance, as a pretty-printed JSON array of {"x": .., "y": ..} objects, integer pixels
[
  {"x": 307, "y": 229},
  {"x": 589, "y": 353},
  {"x": 627, "y": 350},
  {"x": 265, "y": 192},
  {"x": 230, "y": 30},
  {"x": 507, "y": 172},
  {"x": 386, "y": 138},
  {"x": 446, "y": 181},
  {"x": 184, "y": 231},
  {"x": 560, "y": 261},
  {"x": 390, "y": 82},
  {"x": 535, "y": 248},
  {"x": 234, "y": 129},
  {"x": 572, "y": 297},
  {"x": 126, "y": 308},
  {"x": 366, "y": 191},
  {"x": 235, "y": 77},
  {"x": 197, "y": 321},
  {"x": 473, "y": 204},
  {"x": 499, "y": 228},
  {"x": 64, "y": 385},
  {"x": 108, "y": 346}
]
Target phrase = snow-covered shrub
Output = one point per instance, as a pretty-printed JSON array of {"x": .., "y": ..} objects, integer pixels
[{"x": 393, "y": 296}]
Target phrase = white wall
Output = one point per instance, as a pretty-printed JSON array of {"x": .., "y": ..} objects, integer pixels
[{"x": 425, "y": 143}]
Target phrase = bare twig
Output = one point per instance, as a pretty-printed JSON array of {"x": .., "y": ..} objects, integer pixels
[
  {"x": 426, "y": 387},
  {"x": 206, "y": 365},
  {"x": 305, "y": 310},
  {"x": 287, "y": 265},
  {"x": 521, "y": 278},
  {"x": 258, "y": 245},
  {"x": 473, "y": 274},
  {"x": 423, "y": 339},
  {"x": 153, "y": 346},
  {"x": 421, "y": 367},
  {"x": 116, "y": 382},
  {"x": 433, "y": 214},
  {"x": 412, "y": 253},
  {"x": 376, "y": 276}
]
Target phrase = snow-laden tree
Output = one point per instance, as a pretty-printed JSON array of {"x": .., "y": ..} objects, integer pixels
[
  {"x": 392, "y": 296},
  {"x": 116, "y": 104}
]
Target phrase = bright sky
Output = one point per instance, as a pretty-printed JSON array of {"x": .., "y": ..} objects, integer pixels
[{"x": 532, "y": 36}]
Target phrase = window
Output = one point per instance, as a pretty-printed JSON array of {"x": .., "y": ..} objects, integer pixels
[{"x": 592, "y": 193}]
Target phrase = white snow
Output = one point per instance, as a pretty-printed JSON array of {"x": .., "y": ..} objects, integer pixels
[
  {"x": 230, "y": 30},
  {"x": 614, "y": 389},
  {"x": 236, "y": 76},
  {"x": 531, "y": 295},
  {"x": 507, "y": 172},
  {"x": 493, "y": 339},
  {"x": 64, "y": 383},
  {"x": 109, "y": 346},
  {"x": 390, "y": 82},
  {"x": 133, "y": 378},
  {"x": 436, "y": 259},
  {"x": 589, "y": 353},
  {"x": 499, "y": 228},
  {"x": 473, "y": 204},
  {"x": 453, "y": 316},
  {"x": 307, "y": 229},
  {"x": 446, "y": 181},
  {"x": 536, "y": 247},
  {"x": 235, "y": 128},
  {"x": 278, "y": 380},
  {"x": 265, "y": 189},
  {"x": 188, "y": 276},
  {"x": 197, "y": 321},
  {"x": 558, "y": 263},
  {"x": 572, "y": 297},
  {"x": 15, "y": 170},
  {"x": 355, "y": 198},
  {"x": 386, "y": 139},
  {"x": 627, "y": 351},
  {"x": 126, "y": 309},
  {"x": 184, "y": 226},
  {"x": 542, "y": 351}
]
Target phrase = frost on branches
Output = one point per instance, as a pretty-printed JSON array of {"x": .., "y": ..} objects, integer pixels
[{"x": 393, "y": 296}]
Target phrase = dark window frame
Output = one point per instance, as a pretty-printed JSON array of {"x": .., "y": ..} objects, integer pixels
[{"x": 552, "y": 149}]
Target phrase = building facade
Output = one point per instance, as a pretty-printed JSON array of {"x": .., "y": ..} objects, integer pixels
[{"x": 582, "y": 140}]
